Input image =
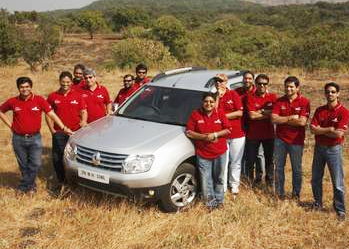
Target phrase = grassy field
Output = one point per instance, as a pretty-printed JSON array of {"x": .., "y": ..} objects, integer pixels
[{"x": 85, "y": 219}]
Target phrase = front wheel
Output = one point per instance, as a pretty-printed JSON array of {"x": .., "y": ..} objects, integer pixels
[{"x": 182, "y": 190}]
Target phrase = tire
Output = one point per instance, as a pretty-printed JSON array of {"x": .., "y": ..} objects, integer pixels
[{"x": 182, "y": 190}]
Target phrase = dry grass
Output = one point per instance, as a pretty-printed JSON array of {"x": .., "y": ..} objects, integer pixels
[{"x": 85, "y": 219}]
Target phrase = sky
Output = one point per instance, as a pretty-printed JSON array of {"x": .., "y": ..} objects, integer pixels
[{"x": 42, "y": 5}]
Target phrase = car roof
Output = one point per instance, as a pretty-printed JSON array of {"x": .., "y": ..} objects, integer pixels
[{"x": 194, "y": 78}]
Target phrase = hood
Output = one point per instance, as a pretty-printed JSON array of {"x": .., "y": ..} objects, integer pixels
[{"x": 122, "y": 135}]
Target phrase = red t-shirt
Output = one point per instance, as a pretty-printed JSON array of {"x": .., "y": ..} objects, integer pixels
[
  {"x": 283, "y": 107},
  {"x": 231, "y": 102},
  {"x": 96, "y": 102},
  {"x": 79, "y": 85},
  {"x": 68, "y": 108},
  {"x": 264, "y": 128},
  {"x": 202, "y": 123},
  {"x": 336, "y": 117},
  {"x": 140, "y": 82},
  {"x": 241, "y": 91},
  {"x": 26, "y": 113},
  {"x": 124, "y": 94}
]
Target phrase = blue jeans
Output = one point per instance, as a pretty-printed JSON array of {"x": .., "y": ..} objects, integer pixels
[
  {"x": 260, "y": 163},
  {"x": 252, "y": 147},
  {"x": 332, "y": 155},
  {"x": 281, "y": 149},
  {"x": 59, "y": 141},
  {"x": 28, "y": 151},
  {"x": 212, "y": 178}
]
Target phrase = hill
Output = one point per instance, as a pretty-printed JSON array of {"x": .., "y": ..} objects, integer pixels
[{"x": 287, "y": 2}]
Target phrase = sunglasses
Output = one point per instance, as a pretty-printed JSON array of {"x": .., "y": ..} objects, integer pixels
[
  {"x": 333, "y": 91},
  {"x": 261, "y": 84}
]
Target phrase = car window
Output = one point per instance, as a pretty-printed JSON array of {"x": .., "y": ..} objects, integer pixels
[{"x": 161, "y": 104}]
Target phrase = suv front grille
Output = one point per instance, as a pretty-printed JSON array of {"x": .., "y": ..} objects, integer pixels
[{"x": 105, "y": 160}]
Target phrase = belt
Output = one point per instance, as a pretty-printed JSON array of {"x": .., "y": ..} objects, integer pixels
[{"x": 27, "y": 135}]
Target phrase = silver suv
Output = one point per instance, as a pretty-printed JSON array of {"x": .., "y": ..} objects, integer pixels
[{"x": 141, "y": 150}]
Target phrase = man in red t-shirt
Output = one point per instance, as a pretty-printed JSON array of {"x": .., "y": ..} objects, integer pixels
[
  {"x": 208, "y": 127},
  {"x": 25, "y": 126},
  {"x": 329, "y": 124},
  {"x": 127, "y": 91},
  {"x": 230, "y": 103},
  {"x": 78, "y": 80},
  {"x": 70, "y": 107},
  {"x": 249, "y": 88},
  {"x": 96, "y": 97},
  {"x": 290, "y": 114},
  {"x": 141, "y": 75},
  {"x": 260, "y": 129}
]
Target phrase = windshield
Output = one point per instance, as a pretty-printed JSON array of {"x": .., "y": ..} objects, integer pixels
[{"x": 161, "y": 104}]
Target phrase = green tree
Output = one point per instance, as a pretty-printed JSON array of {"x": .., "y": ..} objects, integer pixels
[
  {"x": 9, "y": 44},
  {"x": 40, "y": 46},
  {"x": 172, "y": 33},
  {"x": 91, "y": 21},
  {"x": 130, "y": 52}
]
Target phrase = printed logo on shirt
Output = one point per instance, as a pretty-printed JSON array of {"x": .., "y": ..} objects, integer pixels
[
  {"x": 18, "y": 109},
  {"x": 74, "y": 102},
  {"x": 230, "y": 102},
  {"x": 297, "y": 108},
  {"x": 218, "y": 121},
  {"x": 35, "y": 108},
  {"x": 57, "y": 101},
  {"x": 100, "y": 96},
  {"x": 283, "y": 107},
  {"x": 84, "y": 95},
  {"x": 335, "y": 120},
  {"x": 201, "y": 121}
]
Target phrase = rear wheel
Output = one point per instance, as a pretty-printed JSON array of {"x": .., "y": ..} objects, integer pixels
[{"x": 182, "y": 190}]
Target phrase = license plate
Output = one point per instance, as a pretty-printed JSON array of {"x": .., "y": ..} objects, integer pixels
[{"x": 93, "y": 176}]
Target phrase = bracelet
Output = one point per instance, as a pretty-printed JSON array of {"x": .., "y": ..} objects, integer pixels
[{"x": 215, "y": 135}]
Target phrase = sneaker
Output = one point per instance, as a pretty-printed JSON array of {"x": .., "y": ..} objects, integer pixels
[
  {"x": 256, "y": 183},
  {"x": 212, "y": 204},
  {"x": 234, "y": 190},
  {"x": 316, "y": 206},
  {"x": 340, "y": 216}
]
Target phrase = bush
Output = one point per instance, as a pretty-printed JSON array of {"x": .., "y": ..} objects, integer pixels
[{"x": 128, "y": 53}]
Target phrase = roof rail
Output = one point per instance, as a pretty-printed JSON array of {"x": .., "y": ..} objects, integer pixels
[{"x": 178, "y": 71}]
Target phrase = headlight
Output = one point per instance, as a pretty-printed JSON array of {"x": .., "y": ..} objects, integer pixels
[
  {"x": 70, "y": 151},
  {"x": 137, "y": 164}
]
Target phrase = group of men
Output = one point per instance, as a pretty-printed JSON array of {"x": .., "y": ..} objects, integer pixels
[
  {"x": 79, "y": 100},
  {"x": 254, "y": 113},
  {"x": 278, "y": 125}
]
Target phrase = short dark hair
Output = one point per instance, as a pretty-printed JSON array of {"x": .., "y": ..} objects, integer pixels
[
  {"x": 209, "y": 94},
  {"x": 65, "y": 74},
  {"x": 79, "y": 66},
  {"x": 22, "y": 80},
  {"x": 262, "y": 76},
  {"x": 334, "y": 84},
  {"x": 291, "y": 79},
  {"x": 129, "y": 75},
  {"x": 140, "y": 67},
  {"x": 248, "y": 72}
]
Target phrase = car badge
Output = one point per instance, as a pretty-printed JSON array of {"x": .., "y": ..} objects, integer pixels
[{"x": 96, "y": 158}]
